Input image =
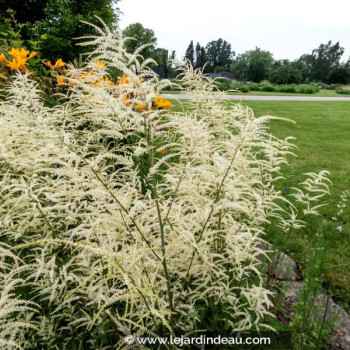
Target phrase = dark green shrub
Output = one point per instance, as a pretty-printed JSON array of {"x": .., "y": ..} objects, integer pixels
[
  {"x": 268, "y": 87},
  {"x": 223, "y": 85},
  {"x": 254, "y": 87},
  {"x": 287, "y": 88},
  {"x": 329, "y": 86},
  {"x": 343, "y": 92},
  {"x": 307, "y": 89},
  {"x": 241, "y": 87},
  {"x": 244, "y": 88}
]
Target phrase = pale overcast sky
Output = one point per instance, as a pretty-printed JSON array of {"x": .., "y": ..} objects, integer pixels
[{"x": 288, "y": 29}]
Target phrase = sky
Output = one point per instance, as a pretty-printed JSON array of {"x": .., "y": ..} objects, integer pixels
[{"x": 287, "y": 29}]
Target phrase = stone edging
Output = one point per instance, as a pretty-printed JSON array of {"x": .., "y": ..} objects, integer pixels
[{"x": 284, "y": 270}]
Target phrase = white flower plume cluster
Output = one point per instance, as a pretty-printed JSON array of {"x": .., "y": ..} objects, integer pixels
[{"x": 119, "y": 220}]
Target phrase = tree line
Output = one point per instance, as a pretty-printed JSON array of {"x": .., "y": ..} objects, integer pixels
[
  {"x": 323, "y": 64},
  {"x": 51, "y": 26}
]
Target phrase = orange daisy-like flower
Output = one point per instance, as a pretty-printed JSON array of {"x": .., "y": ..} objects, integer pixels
[{"x": 162, "y": 102}]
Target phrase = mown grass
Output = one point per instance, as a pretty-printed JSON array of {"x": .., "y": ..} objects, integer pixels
[
  {"x": 322, "y": 133},
  {"x": 321, "y": 93}
]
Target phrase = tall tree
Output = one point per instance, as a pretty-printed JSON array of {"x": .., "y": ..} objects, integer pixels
[
  {"x": 286, "y": 73},
  {"x": 320, "y": 64},
  {"x": 190, "y": 53},
  {"x": 58, "y": 22},
  {"x": 326, "y": 59},
  {"x": 306, "y": 66},
  {"x": 340, "y": 75},
  {"x": 203, "y": 60},
  {"x": 197, "y": 55},
  {"x": 162, "y": 59},
  {"x": 219, "y": 53},
  {"x": 25, "y": 10},
  {"x": 254, "y": 65},
  {"x": 141, "y": 36},
  {"x": 62, "y": 24}
]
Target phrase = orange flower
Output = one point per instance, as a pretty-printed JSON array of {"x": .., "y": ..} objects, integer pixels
[
  {"x": 109, "y": 82},
  {"x": 60, "y": 79},
  {"x": 162, "y": 102},
  {"x": 2, "y": 58},
  {"x": 18, "y": 63},
  {"x": 100, "y": 64},
  {"x": 16, "y": 53},
  {"x": 139, "y": 106},
  {"x": 59, "y": 63},
  {"x": 33, "y": 54},
  {"x": 123, "y": 80},
  {"x": 49, "y": 64},
  {"x": 142, "y": 80},
  {"x": 126, "y": 101}
]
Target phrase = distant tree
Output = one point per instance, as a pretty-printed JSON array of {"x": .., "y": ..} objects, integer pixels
[
  {"x": 190, "y": 53},
  {"x": 319, "y": 65},
  {"x": 172, "y": 71},
  {"x": 219, "y": 53},
  {"x": 239, "y": 68},
  {"x": 202, "y": 61},
  {"x": 254, "y": 65},
  {"x": 326, "y": 59},
  {"x": 279, "y": 63},
  {"x": 340, "y": 75},
  {"x": 286, "y": 73},
  {"x": 162, "y": 59},
  {"x": 141, "y": 36},
  {"x": 197, "y": 55},
  {"x": 306, "y": 66}
]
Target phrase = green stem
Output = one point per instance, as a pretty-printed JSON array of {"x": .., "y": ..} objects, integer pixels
[{"x": 323, "y": 322}]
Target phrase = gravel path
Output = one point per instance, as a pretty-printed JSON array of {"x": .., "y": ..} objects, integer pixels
[{"x": 265, "y": 98}]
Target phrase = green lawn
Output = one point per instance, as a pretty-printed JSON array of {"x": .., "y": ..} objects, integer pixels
[
  {"x": 322, "y": 132},
  {"x": 321, "y": 93}
]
